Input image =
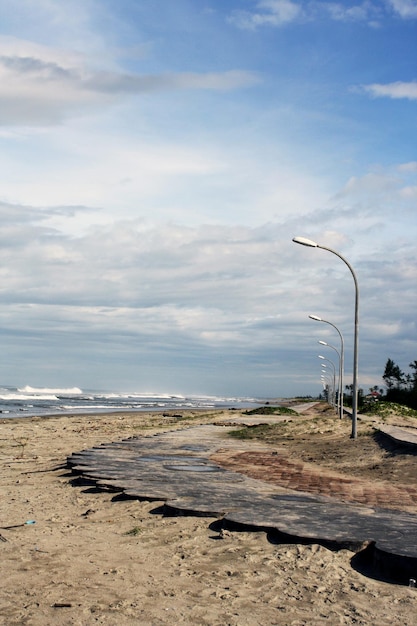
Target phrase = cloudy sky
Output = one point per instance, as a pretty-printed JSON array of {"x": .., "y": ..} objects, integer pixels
[{"x": 157, "y": 158}]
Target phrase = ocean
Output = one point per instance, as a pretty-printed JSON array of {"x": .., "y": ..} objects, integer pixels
[{"x": 31, "y": 401}]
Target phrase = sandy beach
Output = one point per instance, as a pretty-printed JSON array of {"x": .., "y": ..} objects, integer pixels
[{"x": 74, "y": 555}]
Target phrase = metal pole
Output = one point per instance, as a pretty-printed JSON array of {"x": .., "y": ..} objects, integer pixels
[
  {"x": 324, "y": 343},
  {"x": 334, "y": 375},
  {"x": 342, "y": 358},
  {"x": 312, "y": 244},
  {"x": 355, "y": 344}
]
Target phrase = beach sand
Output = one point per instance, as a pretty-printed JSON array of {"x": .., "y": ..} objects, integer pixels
[{"x": 92, "y": 557}]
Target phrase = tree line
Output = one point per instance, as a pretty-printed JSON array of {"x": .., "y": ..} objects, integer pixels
[{"x": 401, "y": 387}]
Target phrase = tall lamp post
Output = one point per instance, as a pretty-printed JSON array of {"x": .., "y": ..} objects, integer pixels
[
  {"x": 330, "y": 397},
  {"x": 334, "y": 374},
  {"x": 312, "y": 244},
  {"x": 341, "y": 360},
  {"x": 339, "y": 387},
  {"x": 326, "y": 385}
]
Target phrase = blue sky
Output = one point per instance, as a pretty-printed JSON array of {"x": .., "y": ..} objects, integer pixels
[{"x": 156, "y": 160}]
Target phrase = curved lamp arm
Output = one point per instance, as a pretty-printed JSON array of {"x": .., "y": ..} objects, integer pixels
[{"x": 312, "y": 244}]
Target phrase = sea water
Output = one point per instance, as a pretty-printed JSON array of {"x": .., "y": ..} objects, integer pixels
[{"x": 30, "y": 401}]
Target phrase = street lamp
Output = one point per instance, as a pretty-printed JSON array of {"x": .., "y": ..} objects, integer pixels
[
  {"x": 339, "y": 393},
  {"x": 334, "y": 374},
  {"x": 326, "y": 382},
  {"x": 330, "y": 389},
  {"x": 341, "y": 360},
  {"x": 312, "y": 244}
]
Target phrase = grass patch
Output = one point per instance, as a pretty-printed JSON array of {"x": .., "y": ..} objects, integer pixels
[
  {"x": 262, "y": 431},
  {"x": 134, "y": 532},
  {"x": 301, "y": 429},
  {"x": 387, "y": 409},
  {"x": 159, "y": 420},
  {"x": 271, "y": 410}
]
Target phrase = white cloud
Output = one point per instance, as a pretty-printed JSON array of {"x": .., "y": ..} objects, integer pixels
[
  {"x": 382, "y": 187},
  {"x": 43, "y": 85},
  {"x": 408, "y": 167},
  {"x": 340, "y": 12},
  {"x": 410, "y": 193},
  {"x": 63, "y": 25},
  {"x": 182, "y": 297},
  {"x": 270, "y": 13},
  {"x": 278, "y": 13},
  {"x": 130, "y": 173},
  {"x": 396, "y": 91},
  {"x": 405, "y": 8}
]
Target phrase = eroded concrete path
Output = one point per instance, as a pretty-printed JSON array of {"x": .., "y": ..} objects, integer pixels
[{"x": 177, "y": 468}]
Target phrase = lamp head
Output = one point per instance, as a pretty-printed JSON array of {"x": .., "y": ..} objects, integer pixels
[
  {"x": 305, "y": 242},
  {"x": 323, "y": 343},
  {"x": 315, "y": 317}
]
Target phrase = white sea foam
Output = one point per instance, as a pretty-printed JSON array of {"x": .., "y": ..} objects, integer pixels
[
  {"x": 45, "y": 390},
  {"x": 138, "y": 396},
  {"x": 28, "y": 396},
  {"x": 29, "y": 400}
]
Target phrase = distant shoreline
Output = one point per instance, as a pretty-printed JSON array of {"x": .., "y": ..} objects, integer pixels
[{"x": 168, "y": 406}]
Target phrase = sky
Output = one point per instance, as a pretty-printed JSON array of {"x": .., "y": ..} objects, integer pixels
[{"x": 156, "y": 160}]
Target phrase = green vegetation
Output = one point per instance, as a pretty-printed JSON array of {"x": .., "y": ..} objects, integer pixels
[
  {"x": 271, "y": 410},
  {"x": 261, "y": 431},
  {"x": 168, "y": 419},
  {"x": 385, "y": 409},
  {"x": 400, "y": 393},
  {"x": 401, "y": 387},
  {"x": 289, "y": 430},
  {"x": 134, "y": 532}
]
